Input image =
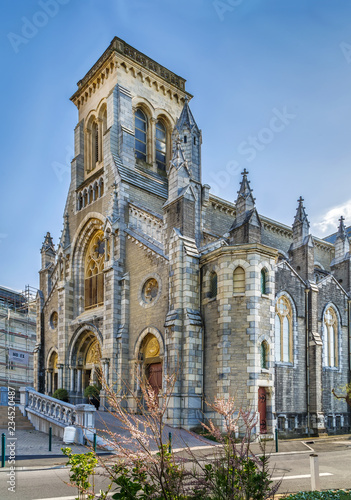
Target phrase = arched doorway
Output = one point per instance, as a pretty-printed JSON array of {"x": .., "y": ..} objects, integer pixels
[
  {"x": 85, "y": 363},
  {"x": 152, "y": 362},
  {"x": 52, "y": 374}
]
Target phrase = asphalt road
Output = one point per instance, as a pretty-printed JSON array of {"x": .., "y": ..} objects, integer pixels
[{"x": 292, "y": 467}]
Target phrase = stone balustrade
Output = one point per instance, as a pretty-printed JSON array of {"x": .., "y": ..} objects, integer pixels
[
  {"x": 45, "y": 412},
  {"x": 59, "y": 411}
]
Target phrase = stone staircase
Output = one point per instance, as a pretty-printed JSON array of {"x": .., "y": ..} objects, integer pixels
[{"x": 21, "y": 422}]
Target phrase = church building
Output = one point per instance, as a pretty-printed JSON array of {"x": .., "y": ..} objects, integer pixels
[{"x": 154, "y": 275}]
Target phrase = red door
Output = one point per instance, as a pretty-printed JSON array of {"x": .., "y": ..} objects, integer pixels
[
  {"x": 155, "y": 376},
  {"x": 262, "y": 409}
]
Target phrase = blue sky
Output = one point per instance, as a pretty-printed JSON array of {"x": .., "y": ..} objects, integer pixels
[{"x": 272, "y": 93}]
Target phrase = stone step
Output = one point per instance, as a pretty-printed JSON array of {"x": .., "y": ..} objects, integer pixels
[{"x": 21, "y": 422}]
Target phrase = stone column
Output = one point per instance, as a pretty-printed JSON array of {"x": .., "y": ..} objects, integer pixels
[
  {"x": 79, "y": 381},
  {"x": 60, "y": 376},
  {"x": 49, "y": 381},
  {"x": 72, "y": 385}
]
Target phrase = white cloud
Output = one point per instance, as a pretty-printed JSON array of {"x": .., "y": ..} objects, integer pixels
[{"x": 330, "y": 220}]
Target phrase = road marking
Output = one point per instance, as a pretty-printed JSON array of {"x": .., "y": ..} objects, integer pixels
[
  {"x": 301, "y": 476},
  {"x": 309, "y": 447}
]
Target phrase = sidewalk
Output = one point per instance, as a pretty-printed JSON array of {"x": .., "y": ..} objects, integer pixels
[{"x": 32, "y": 447}]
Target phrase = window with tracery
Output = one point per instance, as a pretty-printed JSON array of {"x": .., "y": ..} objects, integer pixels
[
  {"x": 283, "y": 331},
  {"x": 239, "y": 280},
  {"x": 140, "y": 135},
  {"x": 330, "y": 338},
  {"x": 94, "y": 276},
  {"x": 161, "y": 145}
]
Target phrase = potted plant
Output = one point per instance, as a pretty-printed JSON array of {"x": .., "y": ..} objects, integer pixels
[
  {"x": 92, "y": 392},
  {"x": 61, "y": 394}
]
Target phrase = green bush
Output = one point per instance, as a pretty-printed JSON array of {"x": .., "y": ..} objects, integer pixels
[
  {"x": 92, "y": 391},
  {"x": 320, "y": 495},
  {"x": 61, "y": 394}
]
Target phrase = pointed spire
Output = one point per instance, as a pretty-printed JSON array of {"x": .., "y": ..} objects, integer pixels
[
  {"x": 186, "y": 118},
  {"x": 245, "y": 200},
  {"x": 65, "y": 237},
  {"x": 342, "y": 245},
  {"x": 301, "y": 225},
  {"x": 48, "y": 243},
  {"x": 301, "y": 215},
  {"x": 342, "y": 229}
]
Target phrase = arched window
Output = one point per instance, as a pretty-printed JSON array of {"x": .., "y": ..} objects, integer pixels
[
  {"x": 140, "y": 135},
  {"x": 96, "y": 191},
  {"x": 283, "y": 331},
  {"x": 161, "y": 146},
  {"x": 263, "y": 281},
  {"x": 95, "y": 145},
  {"x": 239, "y": 280},
  {"x": 330, "y": 338},
  {"x": 104, "y": 121},
  {"x": 264, "y": 355},
  {"x": 213, "y": 285},
  {"x": 94, "y": 276}
]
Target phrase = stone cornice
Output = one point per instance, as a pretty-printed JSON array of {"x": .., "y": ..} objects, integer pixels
[
  {"x": 276, "y": 227},
  {"x": 118, "y": 54},
  {"x": 240, "y": 249},
  {"x": 323, "y": 245},
  {"x": 222, "y": 205}
]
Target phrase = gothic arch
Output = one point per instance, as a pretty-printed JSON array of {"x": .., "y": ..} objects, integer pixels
[
  {"x": 162, "y": 114},
  {"x": 144, "y": 105},
  {"x": 238, "y": 263},
  {"x": 144, "y": 333},
  {"x": 90, "y": 225},
  {"x": 75, "y": 342},
  {"x": 85, "y": 353},
  {"x": 52, "y": 350},
  {"x": 51, "y": 382},
  {"x": 295, "y": 344},
  {"x": 337, "y": 340}
]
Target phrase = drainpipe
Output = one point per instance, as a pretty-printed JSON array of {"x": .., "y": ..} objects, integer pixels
[
  {"x": 203, "y": 348},
  {"x": 349, "y": 345},
  {"x": 307, "y": 362}
]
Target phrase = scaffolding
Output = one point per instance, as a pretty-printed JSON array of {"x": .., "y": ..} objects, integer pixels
[{"x": 17, "y": 333}]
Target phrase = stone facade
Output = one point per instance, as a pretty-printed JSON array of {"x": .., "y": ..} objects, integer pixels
[{"x": 153, "y": 275}]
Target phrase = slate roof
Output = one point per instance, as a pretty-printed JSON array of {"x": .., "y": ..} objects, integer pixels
[
  {"x": 143, "y": 178},
  {"x": 332, "y": 237}
]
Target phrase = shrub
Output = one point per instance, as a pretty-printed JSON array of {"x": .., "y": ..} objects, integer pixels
[
  {"x": 92, "y": 391},
  {"x": 320, "y": 495},
  {"x": 61, "y": 394}
]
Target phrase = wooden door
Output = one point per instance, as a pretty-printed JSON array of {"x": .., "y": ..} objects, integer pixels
[
  {"x": 155, "y": 376},
  {"x": 262, "y": 409}
]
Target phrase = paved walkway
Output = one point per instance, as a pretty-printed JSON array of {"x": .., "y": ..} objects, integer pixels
[
  {"x": 32, "y": 447},
  {"x": 180, "y": 438}
]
